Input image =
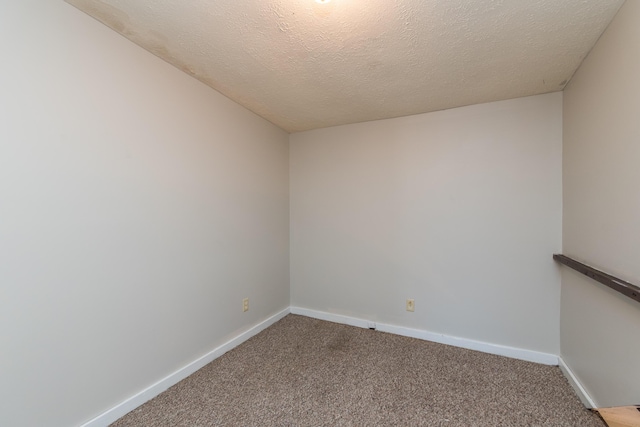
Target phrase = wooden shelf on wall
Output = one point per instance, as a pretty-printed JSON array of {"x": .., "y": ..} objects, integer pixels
[{"x": 615, "y": 283}]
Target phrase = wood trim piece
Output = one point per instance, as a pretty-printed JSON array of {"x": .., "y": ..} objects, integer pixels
[
  {"x": 622, "y": 286},
  {"x": 624, "y": 416}
]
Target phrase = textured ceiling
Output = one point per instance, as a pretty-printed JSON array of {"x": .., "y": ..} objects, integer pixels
[{"x": 305, "y": 65}]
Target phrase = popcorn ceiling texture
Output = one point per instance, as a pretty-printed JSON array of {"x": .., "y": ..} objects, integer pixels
[{"x": 304, "y": 65}]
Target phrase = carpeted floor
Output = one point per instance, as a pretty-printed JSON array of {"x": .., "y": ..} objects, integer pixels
[{"x": 307, "y": 372}]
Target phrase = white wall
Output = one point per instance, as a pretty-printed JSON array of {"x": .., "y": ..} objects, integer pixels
[
  {"x": 458, "y": 209},
  {"x": 599, "y": 328},
  {"x": 137, "y": 208}
]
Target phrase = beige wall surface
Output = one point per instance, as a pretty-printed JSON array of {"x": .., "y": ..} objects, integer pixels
[
  {"x": 137, "y": 208},
  {"x": 601, "y": 226},
  {"x": 459, "y": 210}
]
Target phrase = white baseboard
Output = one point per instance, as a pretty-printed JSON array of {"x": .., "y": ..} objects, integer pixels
[
  {"x": 585, "y": 398},
  {"x": 152, "y": 391},
  {"x": 331, "y": 317},
  {"x": 501, "y": 350}
]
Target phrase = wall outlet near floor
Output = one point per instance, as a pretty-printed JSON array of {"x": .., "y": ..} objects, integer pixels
[
  {"x": 411, "y": 305},
  {"x": 245, "y": 304}
]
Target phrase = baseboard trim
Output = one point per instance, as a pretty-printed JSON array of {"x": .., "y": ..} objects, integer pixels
[
  {"x": 152, "y": 391},
  {"x": 582, "y": 393},
  {"x": 501, "y": 350},
  {"x": 331, "y": 317}
]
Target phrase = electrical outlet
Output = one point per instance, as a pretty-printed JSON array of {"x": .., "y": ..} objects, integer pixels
[
  {"x": 245, "y": 304},
  {"x": 411, "y": 305}
]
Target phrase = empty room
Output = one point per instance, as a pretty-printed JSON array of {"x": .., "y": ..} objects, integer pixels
[{"x": 319, "y": 212}]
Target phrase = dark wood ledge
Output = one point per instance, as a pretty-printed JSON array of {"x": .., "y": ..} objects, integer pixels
[{"x": 622, "y": 286}]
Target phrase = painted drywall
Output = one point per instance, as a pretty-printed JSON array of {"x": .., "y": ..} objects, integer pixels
[
  {"x": 137, "y": 208},
  {"x": 459, "y": 210},
  {"x": 601, "y": 225}
]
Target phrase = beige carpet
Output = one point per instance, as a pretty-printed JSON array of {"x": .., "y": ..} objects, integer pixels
[{"x": 307, "y": 372}]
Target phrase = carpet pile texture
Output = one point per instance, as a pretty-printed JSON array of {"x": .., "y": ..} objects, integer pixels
[{"x": 308, "y": 372}]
